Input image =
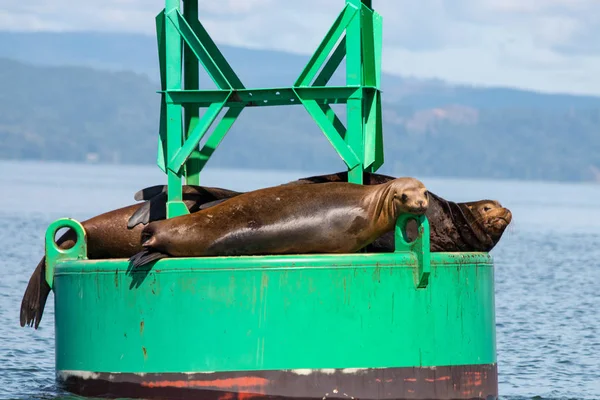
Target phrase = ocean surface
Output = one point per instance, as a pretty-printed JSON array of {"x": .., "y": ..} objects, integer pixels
[{"x": 547, "y": 269}]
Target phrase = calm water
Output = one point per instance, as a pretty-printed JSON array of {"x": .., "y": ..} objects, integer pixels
[{"x": 547, "y": 270}]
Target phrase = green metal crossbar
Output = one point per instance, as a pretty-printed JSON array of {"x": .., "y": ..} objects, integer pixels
[{"x": 355, "y": 35}]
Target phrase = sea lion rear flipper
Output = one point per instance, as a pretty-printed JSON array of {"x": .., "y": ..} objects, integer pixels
[
  {"x": 140, "y": 216},
  {"x": 35, "y": 296},
  {"x": 146, "y": 256},
  {"x": 154, "y": 209},
  {"x": 149, "y": 192}
]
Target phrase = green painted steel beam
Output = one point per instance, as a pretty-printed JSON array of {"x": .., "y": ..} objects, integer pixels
[
  {"x": 201, "y": 127},
  {"x": 332, "y": 64},
  {"x": 368, "y": 48},
  {"x": 191, "y": 82},
  {"x": 334, "y": 119},
  {"x": 174, "y": 124},
  {"x": 378, "y": 44},
  {"x": 218, "y": 134},
  {"x": 265, "y": 97},
  {"x": 215, "y": 54},
  {"x": 355, "y": 105},
  {"x": 325, "y": 47},
  {"x": 199, "y": 49},
  {"x": 162, "y": 128},
  {"x": 346, "y": 152}
]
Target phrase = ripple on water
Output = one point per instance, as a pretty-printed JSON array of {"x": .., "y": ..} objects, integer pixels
[{"x": 546, "y": 301}]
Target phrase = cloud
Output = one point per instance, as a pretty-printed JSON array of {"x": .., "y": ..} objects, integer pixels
[{"x": 540, "y": 44}]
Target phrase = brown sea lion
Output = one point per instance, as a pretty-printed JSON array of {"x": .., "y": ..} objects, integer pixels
[
  {"x": 334, "y": 217},
  {"x": 454, "y": 227},
  {"x": 108, "y": 236}
]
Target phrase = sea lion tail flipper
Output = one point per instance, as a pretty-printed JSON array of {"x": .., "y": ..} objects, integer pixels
[
  {"x": 149, "y": 192},
  {"x": 146, "y": 256},
  {"x": 35, "y": 296}
]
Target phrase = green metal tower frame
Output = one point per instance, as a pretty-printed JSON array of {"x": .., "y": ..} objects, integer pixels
[{"x": 184, "y": 44}]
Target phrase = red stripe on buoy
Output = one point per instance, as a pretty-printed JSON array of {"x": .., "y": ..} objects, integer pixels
[{"x": 230, "y": 383}]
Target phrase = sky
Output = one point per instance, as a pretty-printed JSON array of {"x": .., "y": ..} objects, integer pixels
[{"x": 545, "y": 45}]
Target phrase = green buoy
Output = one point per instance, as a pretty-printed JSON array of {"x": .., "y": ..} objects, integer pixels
[{"x": 404, "y": 325}]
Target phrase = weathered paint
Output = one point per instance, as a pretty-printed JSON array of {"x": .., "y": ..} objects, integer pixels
[{"x": 454, "y": 382}]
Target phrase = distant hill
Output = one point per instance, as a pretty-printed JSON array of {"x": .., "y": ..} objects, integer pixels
[
  {"x": 76, "y": 98},
  {"x": 258, "y": 68}
]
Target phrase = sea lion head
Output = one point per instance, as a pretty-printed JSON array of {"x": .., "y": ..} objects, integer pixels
[
  {"x": 409, "y": 196},
  {"x": 492, "y": 216}
]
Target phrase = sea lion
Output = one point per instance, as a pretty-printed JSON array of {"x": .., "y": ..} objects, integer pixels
[
  {"x": 108, "y": 236},
  {"x": 333, "y": 217},
  {"x": 454, "y": 227}
]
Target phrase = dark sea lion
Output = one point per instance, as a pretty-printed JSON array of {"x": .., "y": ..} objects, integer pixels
[
  {"x": 454, "y": 227},
  {"x": 108, "y": 236},
  {"x": 334, "y": 217}
]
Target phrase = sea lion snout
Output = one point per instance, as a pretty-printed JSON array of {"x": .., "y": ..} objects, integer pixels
[
  {"x": 411, "y": 196},
  {"x": 498, "y": 219},
  {"x": 493, "y": 216}
]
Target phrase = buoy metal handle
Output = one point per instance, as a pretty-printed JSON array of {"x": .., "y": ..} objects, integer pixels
[
  {"x": 55, "y": 254},
  {"x": 420, "y": 246}
]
